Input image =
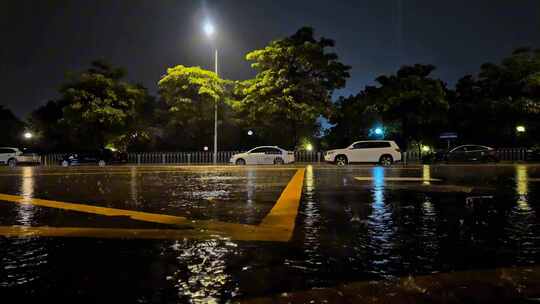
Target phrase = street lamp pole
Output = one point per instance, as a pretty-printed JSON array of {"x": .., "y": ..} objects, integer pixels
[
  {"x": 215, "y": 109},
  {"x": 209, "y": 30}
]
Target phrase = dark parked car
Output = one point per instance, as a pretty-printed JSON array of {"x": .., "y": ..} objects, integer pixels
[
  {"x": 100, "y": 157},
  {"x": 468, "y": 153}
]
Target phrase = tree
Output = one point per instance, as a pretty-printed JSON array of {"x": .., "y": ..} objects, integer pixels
[
  {"x": 487, "y": 108},
  {"x": 350, "y": 121},
  {"x": 97, "y": 108},
  {"x": 12, "y": 128},
  {"x": 45, "y": 123},
  {"x": 189, "y": 95},
  {"x": 295, "y": 79},
  {"x": 416, "y": 103}
]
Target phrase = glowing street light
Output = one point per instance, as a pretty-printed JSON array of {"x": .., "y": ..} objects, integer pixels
[
  {"x": 520, "y": 129},
  {"x": 28, "y": 135},
  {"x": 425, "y": 148},
  {"x": 309, "y": 147},
  {"x": 250, "y": 133},
  {"x": 378, "y": 131},
  {"x": 205, "y": 148},
  {"x": 209, "y": 29}
]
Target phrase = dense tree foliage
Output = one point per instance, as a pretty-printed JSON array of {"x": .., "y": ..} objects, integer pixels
[
  {"x": 410, "y": 105},
  {"x": 12, "y": 128},
  {"x": 295, "y": 79},
  {"x": 487, "y": 108},
  {"x": 350, "y": 121},
  {"x": 414, "y": 102},
  {"x": 190, "y": 95},
  {"x": 97, "y": 108}
]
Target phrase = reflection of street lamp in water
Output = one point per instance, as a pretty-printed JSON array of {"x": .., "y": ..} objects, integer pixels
[
  {"x": 522, "y": 187},
  {"x": 26, "y": 211},
  {"x": 426, "y": 175}
]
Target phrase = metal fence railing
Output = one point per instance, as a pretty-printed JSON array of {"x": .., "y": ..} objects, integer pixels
[
  {"x": 205, "y": 157},
  {"x": 504, "y": 154},
  {"x": 51, "y": 159},
  {"x": 512, "y": 154},
  {"x": 179, "y": 157}
]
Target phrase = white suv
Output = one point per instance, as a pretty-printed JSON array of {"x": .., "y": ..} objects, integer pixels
[
  {"x": 264, "y": 155},
  {"x": 384, "y": 152},
  {"x": 9, "y": 156}
]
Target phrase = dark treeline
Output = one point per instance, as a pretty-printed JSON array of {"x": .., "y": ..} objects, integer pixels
[{"x": 282, "y": 105}]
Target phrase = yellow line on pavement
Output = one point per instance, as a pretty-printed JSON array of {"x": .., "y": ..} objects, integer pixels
[
  {"x": 283, "y": 214},
  {"x": 136, "y": 215},
  {"x": 277, "y": 226},
  {"x": 240, "y": 233},
  {"x": 399, "y": 179}
]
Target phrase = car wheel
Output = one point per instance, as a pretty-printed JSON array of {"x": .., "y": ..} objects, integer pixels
[
  {"x": 341, "y": 160},
  {"x": 278, "y": 161},
  {"x": 12, "y": 163},
  {"x": 241, "y": 162},
  {"x": 386, "y": 160},
  {"x": 101, "y": 163},
  {"x": 65, "y": 163}
]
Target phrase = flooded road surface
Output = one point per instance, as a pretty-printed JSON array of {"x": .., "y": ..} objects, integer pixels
[{"x": 418, "y": 234}]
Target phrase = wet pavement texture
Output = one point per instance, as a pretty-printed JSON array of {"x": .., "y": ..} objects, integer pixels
[{"x": 417, "y": 234}]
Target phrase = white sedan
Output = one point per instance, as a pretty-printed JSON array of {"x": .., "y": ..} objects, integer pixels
[
  {"x": 13, "y": 156},
  {"x": 264, "y": 155}
]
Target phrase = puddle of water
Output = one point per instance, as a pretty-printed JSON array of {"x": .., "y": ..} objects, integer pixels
[{"x": 346, "y": 231}]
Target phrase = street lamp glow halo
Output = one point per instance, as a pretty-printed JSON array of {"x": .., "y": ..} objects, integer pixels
[
  {"x": 209, "y": 29},
  {"x": 28, "y": 135}
]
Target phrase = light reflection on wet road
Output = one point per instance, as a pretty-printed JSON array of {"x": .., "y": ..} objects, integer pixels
[{"x": 347, "y": 230}]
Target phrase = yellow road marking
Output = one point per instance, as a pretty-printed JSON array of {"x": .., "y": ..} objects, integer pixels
[
  {"x": 239, "y": 233},
  {"x": 278, "y": 225},
  {"x": 399, "y": 179},
  {"x": 283, "y": 214},
  {"x": 136, "y": 215}
]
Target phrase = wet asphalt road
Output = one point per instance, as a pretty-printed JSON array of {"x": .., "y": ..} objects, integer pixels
[{"x": 402, "y": 227}]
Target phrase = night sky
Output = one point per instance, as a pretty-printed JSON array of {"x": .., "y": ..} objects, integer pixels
[{"x": 41, "y": 40}]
